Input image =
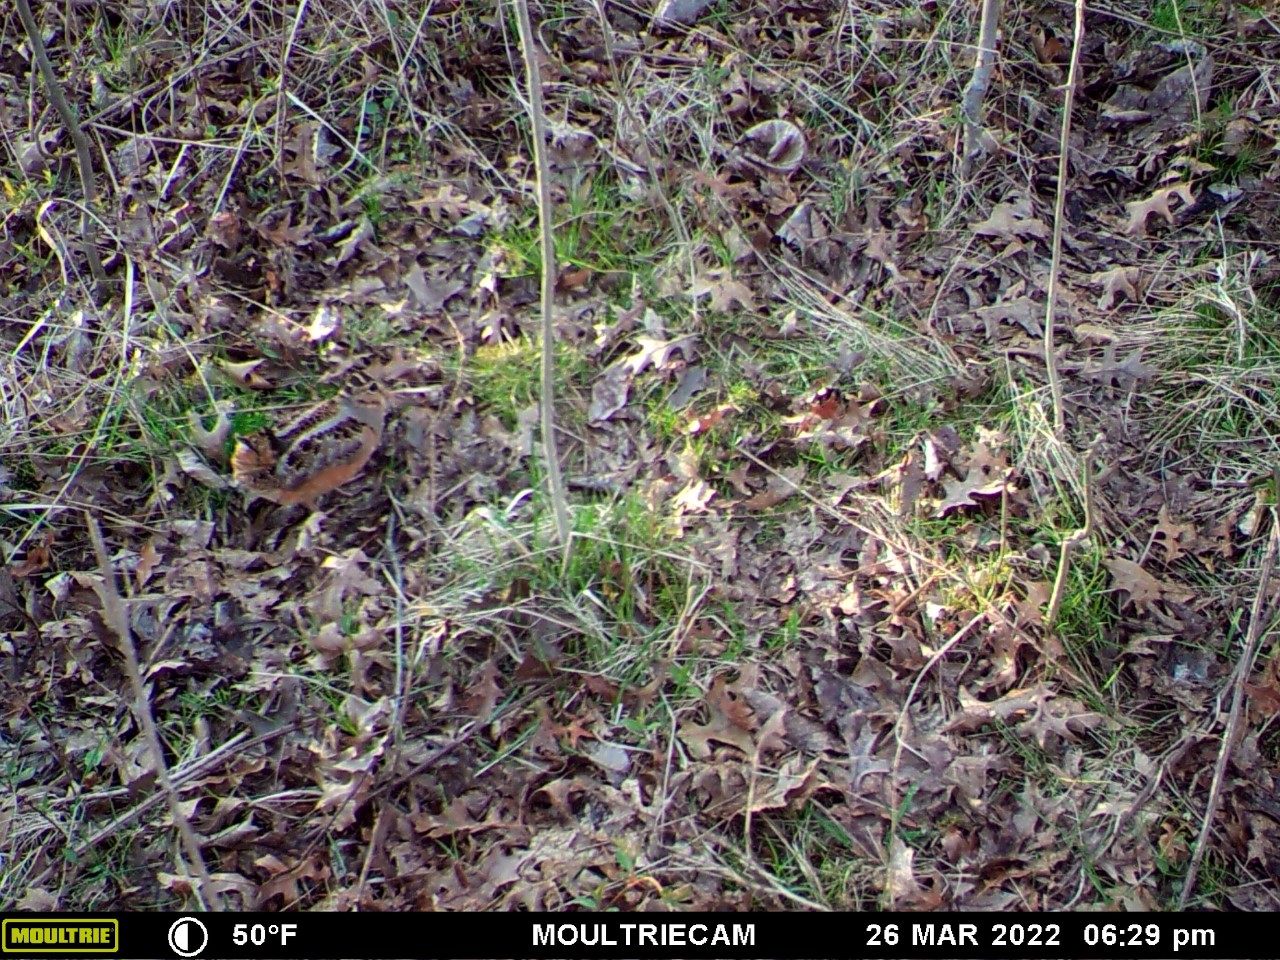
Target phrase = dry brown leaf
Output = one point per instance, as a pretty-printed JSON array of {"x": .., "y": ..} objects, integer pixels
[
  {"x": 803, "y": 228},
  {"x": 834, "y": 422},
  {"x": 224, "y": 229},
  {"x": 1142, "y": 587},
  {"x": 731, "y": 722},
  {"x": 245, "y": 374},
  {"x": 779, "y": 487},
  {"x": 694, "y": 498},
  {"x": 726, "y": 293},
  {"x": 39, "y": 556},
  {"x": 1112, "y": 372},
  {"x": 1010, "y": 221},
  {"x": 1177, "y": 539},
  {"x": 213, "y": 442},
  {"x": 1023, "y": 311},
  {"x": 148, "y": 559},
  {"x": 988, "y": 475},
  {"x": 905, "y": 891},
  {"x": 484, "y": 693},
  {"x": 775, "y": 145},
  {"x": 324, "y": 323},
  {"x": 1119, "y": 281},
  {"x": 1181, "y": 95},
  {"x": 609, "y": 393},
  {"x": 1158, "y": 202},
  {"x": 1038, "y": 710}
]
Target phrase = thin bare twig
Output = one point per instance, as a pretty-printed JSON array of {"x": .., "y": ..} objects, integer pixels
[
  {"x": 976, "y": 91},
  {"x": 899, "y": 736},
  {"x": 1075, "y": 540},
  {"x": 1260, "y": 612},
  {"x": 113, "y": 607},
  {"x": 237, "y": 745},
  {"x": 84, "y": 158},
  {"x": 538, "y": 122},
  {"x": 1059, "y": 217},
  {"x": 1050, "y": 309}
]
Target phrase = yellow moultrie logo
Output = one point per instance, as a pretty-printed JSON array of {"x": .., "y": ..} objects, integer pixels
[{"x": 60, "y": 935}]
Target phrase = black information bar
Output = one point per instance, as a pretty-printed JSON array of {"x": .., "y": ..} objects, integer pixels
[{"x": 409, "y": 936}]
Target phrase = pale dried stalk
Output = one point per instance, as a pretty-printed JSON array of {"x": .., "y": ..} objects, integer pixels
[
  {"x": 538, "y": 123},
  {"x": 1259, "y": 614},
  {"x": 84, "y": 158},
  {"x": 1059, "y": 218},
  {"x": 113, "y": 609},
  {"x": 976, "y": 92},
  {"x": 1080, "y": 536},
  {"x": 1076, "y": 539}
]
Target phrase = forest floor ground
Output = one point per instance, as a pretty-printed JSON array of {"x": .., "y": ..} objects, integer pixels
[{"x": 818, "y": 642}]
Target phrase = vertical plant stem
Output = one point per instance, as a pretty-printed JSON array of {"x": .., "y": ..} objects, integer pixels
[
  {"x": 117, "y": 618},
  {"x": 976, "y": 91},
  {"x": 538, "y": 123},
  {"x": 1059, "y": 216},
  {"x": 84, "y": 158}
]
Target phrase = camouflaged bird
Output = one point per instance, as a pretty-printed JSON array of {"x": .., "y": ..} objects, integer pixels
[{"x": 317, "y": 452}]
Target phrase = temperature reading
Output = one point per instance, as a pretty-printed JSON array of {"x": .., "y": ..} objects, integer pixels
[{"x": 258, "y": 933}]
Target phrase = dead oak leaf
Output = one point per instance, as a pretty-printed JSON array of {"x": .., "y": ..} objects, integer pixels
[
  {"x": 1265, "y": 698},
  {"x": 1177, "y": 539},
  {"x": 1182, "y": 94},
  {"x": 833, "y": 422},
  {"x": 656, "y": 351},
  {"x": 1143, "y": 589},
  {"x": 779, "y": 487},
  {"x": 731, "y": 721},
  {"x": 905, "y": 891},
  {"x": 1119, "y": 281},
  {"x": 245, "y": 374},
  {"x": 694, "y": 498},
  {"x": 1159, "y": 202},
  {"x": 482, "y": 697},
  {"x": 148, "y": 559},
  {"x": 1024, "y": 311},
  {"x": 1120, "y": 373},
  {"x": 609, "y": 394},
  {"x": 1010, "y": 221},
  {"x": 38, "y": 559},
  {"x": 446, "y": 204},
  {"x": 1029, "y": 608},
  {"x": 1037, "y": 711},
  {"x": 988, "y": 475},
  {"x": 725, "y": 292}
]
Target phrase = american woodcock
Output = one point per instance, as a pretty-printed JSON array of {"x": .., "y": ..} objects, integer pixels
[{"x": 316, "y": 453}]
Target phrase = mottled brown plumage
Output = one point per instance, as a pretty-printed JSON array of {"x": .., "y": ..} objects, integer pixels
[{"x": 317, "y": 452}]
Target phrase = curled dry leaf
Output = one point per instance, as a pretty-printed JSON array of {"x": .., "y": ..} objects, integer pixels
[
  {"x": 672, "y": 13},
  {"x": 213, "y": 442},
  {"x": 803, "y": 228},
  {"x": 245, "y": 374},
  {"x": 988, "y": 475},
  {"x": 1143, "y": 589},
  {"x": 775, "y": 145},
  {"x": 225, "y": 230},
  {"x": 1158, "y": 202},
  {"x": 780, "y": 486},
  {"x": 324, "y": 322},
  {"x": 726, "y": 293},
  {"x": 1012, "y": 220},
  {"x": 1127, "y": 282}
]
